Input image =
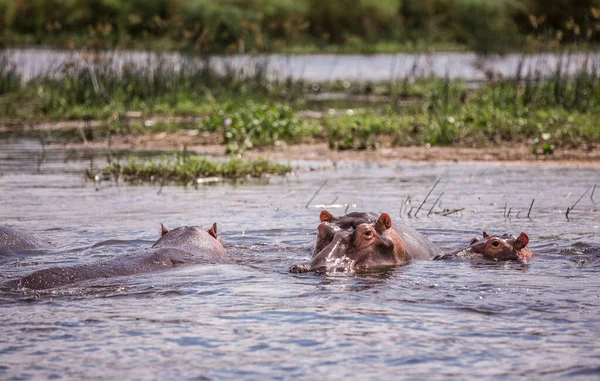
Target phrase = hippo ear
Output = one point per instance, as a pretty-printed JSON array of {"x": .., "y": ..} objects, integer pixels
[
  {"x": 522, "y": 241},
  {"x": 325, "y": 216},
  {"x": 213, "y": 230},
  {"x": 486, "y": 235},
  {"x": 384, "y": 222},
  {"x": 163, "y": 230}
]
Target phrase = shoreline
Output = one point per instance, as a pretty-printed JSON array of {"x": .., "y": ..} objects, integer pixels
[{"x": 208, "y": 144}]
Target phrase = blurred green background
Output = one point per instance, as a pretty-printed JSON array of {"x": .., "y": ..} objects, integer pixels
[{"x": 301, "y": 26}]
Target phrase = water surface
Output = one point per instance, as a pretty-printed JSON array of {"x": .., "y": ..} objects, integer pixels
[
  {"x": 253, "y": 320},
  {"x": 31, "y": 63}
]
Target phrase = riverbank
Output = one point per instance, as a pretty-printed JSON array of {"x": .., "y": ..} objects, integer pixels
[
  {"x": 103, "y": 99},
  {"x": 206, "y": 144}
]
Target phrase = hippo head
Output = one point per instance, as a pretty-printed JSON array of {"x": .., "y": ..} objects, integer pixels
[
  {"x": 495, "y": 248},
  {"x": 364, "y": 246},
  {"x": 330, "y": 225},
  {"x": 190, "y": 238}
]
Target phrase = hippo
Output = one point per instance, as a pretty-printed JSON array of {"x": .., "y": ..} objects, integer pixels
[
  {"x": 183, "y": 246},
  {"x": 417, "y": 246},
  {"x": 362, "y": 241},
  {"x": 494, "y": 248},
  {"x": 330, "y": 225},
  {"x": 13, "y": 241}
]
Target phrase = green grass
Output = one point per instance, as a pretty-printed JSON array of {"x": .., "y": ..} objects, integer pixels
[
  {"x": 561, "y": 111},
  {"x": 184, "y": 168},
  {"x": 97, "y": 92}
]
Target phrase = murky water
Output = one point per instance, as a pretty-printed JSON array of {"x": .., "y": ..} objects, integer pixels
[
  {"x": 327, "y": 67},
  {"x": 253, "y": 320}
]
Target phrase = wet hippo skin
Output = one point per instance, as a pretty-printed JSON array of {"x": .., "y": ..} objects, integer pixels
[
  {"x": 416, "y": 244},
  {"x": 363, "y": 241},
  {"x": 183, "y": 246},
  {"x": 17, "y": 241},
  {"x": 494, "y": 248}
]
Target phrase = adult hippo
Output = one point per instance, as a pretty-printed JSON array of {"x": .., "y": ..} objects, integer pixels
[
  {"x": 16, "y": 241},
  {"x": 415, "y": 244},
  {"x": 183, "y": 246},
  {"x": 494, "y": 248},
  {"x": 330, "y": 225},
  {"x": 359, "y": 241}
]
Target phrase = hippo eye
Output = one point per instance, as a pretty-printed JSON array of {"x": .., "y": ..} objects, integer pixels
[
  {"x": 495, "y": 243},
  {"x": 368, "y": 233}
]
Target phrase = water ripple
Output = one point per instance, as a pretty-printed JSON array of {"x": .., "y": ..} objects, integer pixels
[{"x": 251, "y": 319}]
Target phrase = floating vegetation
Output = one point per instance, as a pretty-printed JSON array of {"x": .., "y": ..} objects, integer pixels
[{"x": 184, "y": 168}]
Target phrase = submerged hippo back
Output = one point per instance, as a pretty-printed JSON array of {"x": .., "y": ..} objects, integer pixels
[
  {"x": 16, "y": 241},
  {"x": 195, "y": 240},
  {"x": 417, "y": 245},
  {"x": 186, "y": 245}
]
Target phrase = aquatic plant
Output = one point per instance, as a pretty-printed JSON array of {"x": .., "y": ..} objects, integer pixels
[
  {"x": 184, "y": 168},
  {"x": 10, "y": 80}
]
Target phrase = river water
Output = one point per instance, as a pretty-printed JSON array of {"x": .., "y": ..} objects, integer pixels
[
  {"x": 31, "y": 63},
  {"x": 252, "y": 320}
]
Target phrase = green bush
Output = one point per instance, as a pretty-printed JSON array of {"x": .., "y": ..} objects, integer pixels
[
  {"x": 369, "y": 131},
  {"x": 240, "y": 26},
  {"x": 573, "y": 18},
  {"x": 249, "y": 125},
  {"x": 338, "y": 21},
  {"x": 484, "y": 26}
]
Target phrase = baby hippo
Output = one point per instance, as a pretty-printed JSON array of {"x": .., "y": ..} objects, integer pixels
[
  {"x": 362, "y": 241},
  {"x": 494, "y": 248}
]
